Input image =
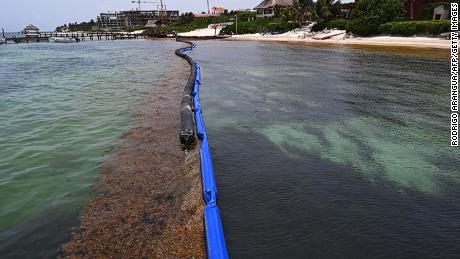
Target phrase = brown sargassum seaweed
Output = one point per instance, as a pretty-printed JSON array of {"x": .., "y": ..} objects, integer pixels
[{"x": 149, "y": 202}]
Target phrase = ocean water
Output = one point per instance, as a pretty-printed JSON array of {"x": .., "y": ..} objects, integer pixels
[
  {"x": 332, "y": 152},
  {"x": 62, "y": 109},
  {"x": 319, "y": 152}
]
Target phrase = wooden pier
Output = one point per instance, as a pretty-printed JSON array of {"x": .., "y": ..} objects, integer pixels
[{"x": 82, "y": 36}]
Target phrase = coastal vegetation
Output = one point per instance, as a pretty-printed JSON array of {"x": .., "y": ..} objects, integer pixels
[
  {"x": 367, "y": 17},
  {"x": 261, "y": 26},
  {"x": 73, "y": 27},
  {"x": 371, "y": 26},
  {"x": 372, "y": 17},
  {"x": 340, "y": 24},
  {"x": 188, "y": 21},
  {"x": 289, "y": 17},
  {"x": 409, "y": 28},
  {"x": 370, "y": 14}
]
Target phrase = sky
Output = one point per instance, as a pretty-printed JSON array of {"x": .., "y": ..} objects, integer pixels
[{"x": 48, "y": 14}]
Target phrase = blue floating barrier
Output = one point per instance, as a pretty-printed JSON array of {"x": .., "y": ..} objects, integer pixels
[
  {"x": 197, "y": 103},
  {"x": 196, "y": 100},
  {"x": 198, "y": 73},
  {"x": 207, "y": 169},
  {"x": 215, "y": 239},
  {"x": 200, "y": 126},
  {"x": 196, "y": 88}
]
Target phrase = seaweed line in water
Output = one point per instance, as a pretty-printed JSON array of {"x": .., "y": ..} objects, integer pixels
[{"x": 149, "y": 193}]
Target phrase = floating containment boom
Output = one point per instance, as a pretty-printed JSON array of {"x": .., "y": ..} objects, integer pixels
[{"x": 215, "y": 239}]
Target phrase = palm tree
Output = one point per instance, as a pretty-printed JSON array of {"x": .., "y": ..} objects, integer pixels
[
  {"x": 327, "y": 9},
  {"x": 300, "y": 11},
  {"x": 307, "y": 10}
]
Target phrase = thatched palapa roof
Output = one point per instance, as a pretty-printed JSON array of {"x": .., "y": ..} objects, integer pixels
[
  {"x": 31, "y": 27},
  {"x": 272, "y": 3}
]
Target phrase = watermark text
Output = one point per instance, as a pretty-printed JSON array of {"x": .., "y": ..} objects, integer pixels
[{"x": 454, "y": 76}]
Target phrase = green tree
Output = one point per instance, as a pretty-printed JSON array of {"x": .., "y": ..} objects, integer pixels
[
  {"x": 186, "y": 18},
  {"x": 327, "y": 10},
  {"x": 300, "y": 11},
  {"x": 245, "y": 15},
  {"x": 383, "y": 10},
  {"x": 370, "y": 14},
  {"x": 305, "y": 3},
  {"x": 321, "y": 10}
]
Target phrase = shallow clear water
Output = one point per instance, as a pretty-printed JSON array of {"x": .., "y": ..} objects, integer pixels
[
  {"x": 327, "y": 152},
  {"x": 62, "y": 109}
]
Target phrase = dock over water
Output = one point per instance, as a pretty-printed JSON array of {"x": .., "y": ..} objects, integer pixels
[{"x": 81, "y": 36}]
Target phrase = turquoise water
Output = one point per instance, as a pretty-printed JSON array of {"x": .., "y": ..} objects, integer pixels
[
  {"x": 331, "y": 152},
  {"x": 62, "y": 109}
]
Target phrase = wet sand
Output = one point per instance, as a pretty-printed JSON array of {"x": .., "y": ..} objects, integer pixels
[{"x": 149, "y": 202}]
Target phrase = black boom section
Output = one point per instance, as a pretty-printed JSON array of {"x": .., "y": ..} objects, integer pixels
[{"x": 187, "y": 131}]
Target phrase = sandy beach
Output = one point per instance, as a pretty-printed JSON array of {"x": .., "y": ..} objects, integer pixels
[
  {"x": 388, "y": 41},
  {"x": 205, "y": 32},
  {"x": 304, "y": 35}
]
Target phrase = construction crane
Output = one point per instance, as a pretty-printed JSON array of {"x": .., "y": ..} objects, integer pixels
[
  {"x": 138, "y": 2},
  {"x": 161, "y": 8}
]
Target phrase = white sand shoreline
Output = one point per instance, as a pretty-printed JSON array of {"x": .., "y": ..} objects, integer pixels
[
  {"x": 387, "y": 41},
  {"x": 334, "y": 36}
]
